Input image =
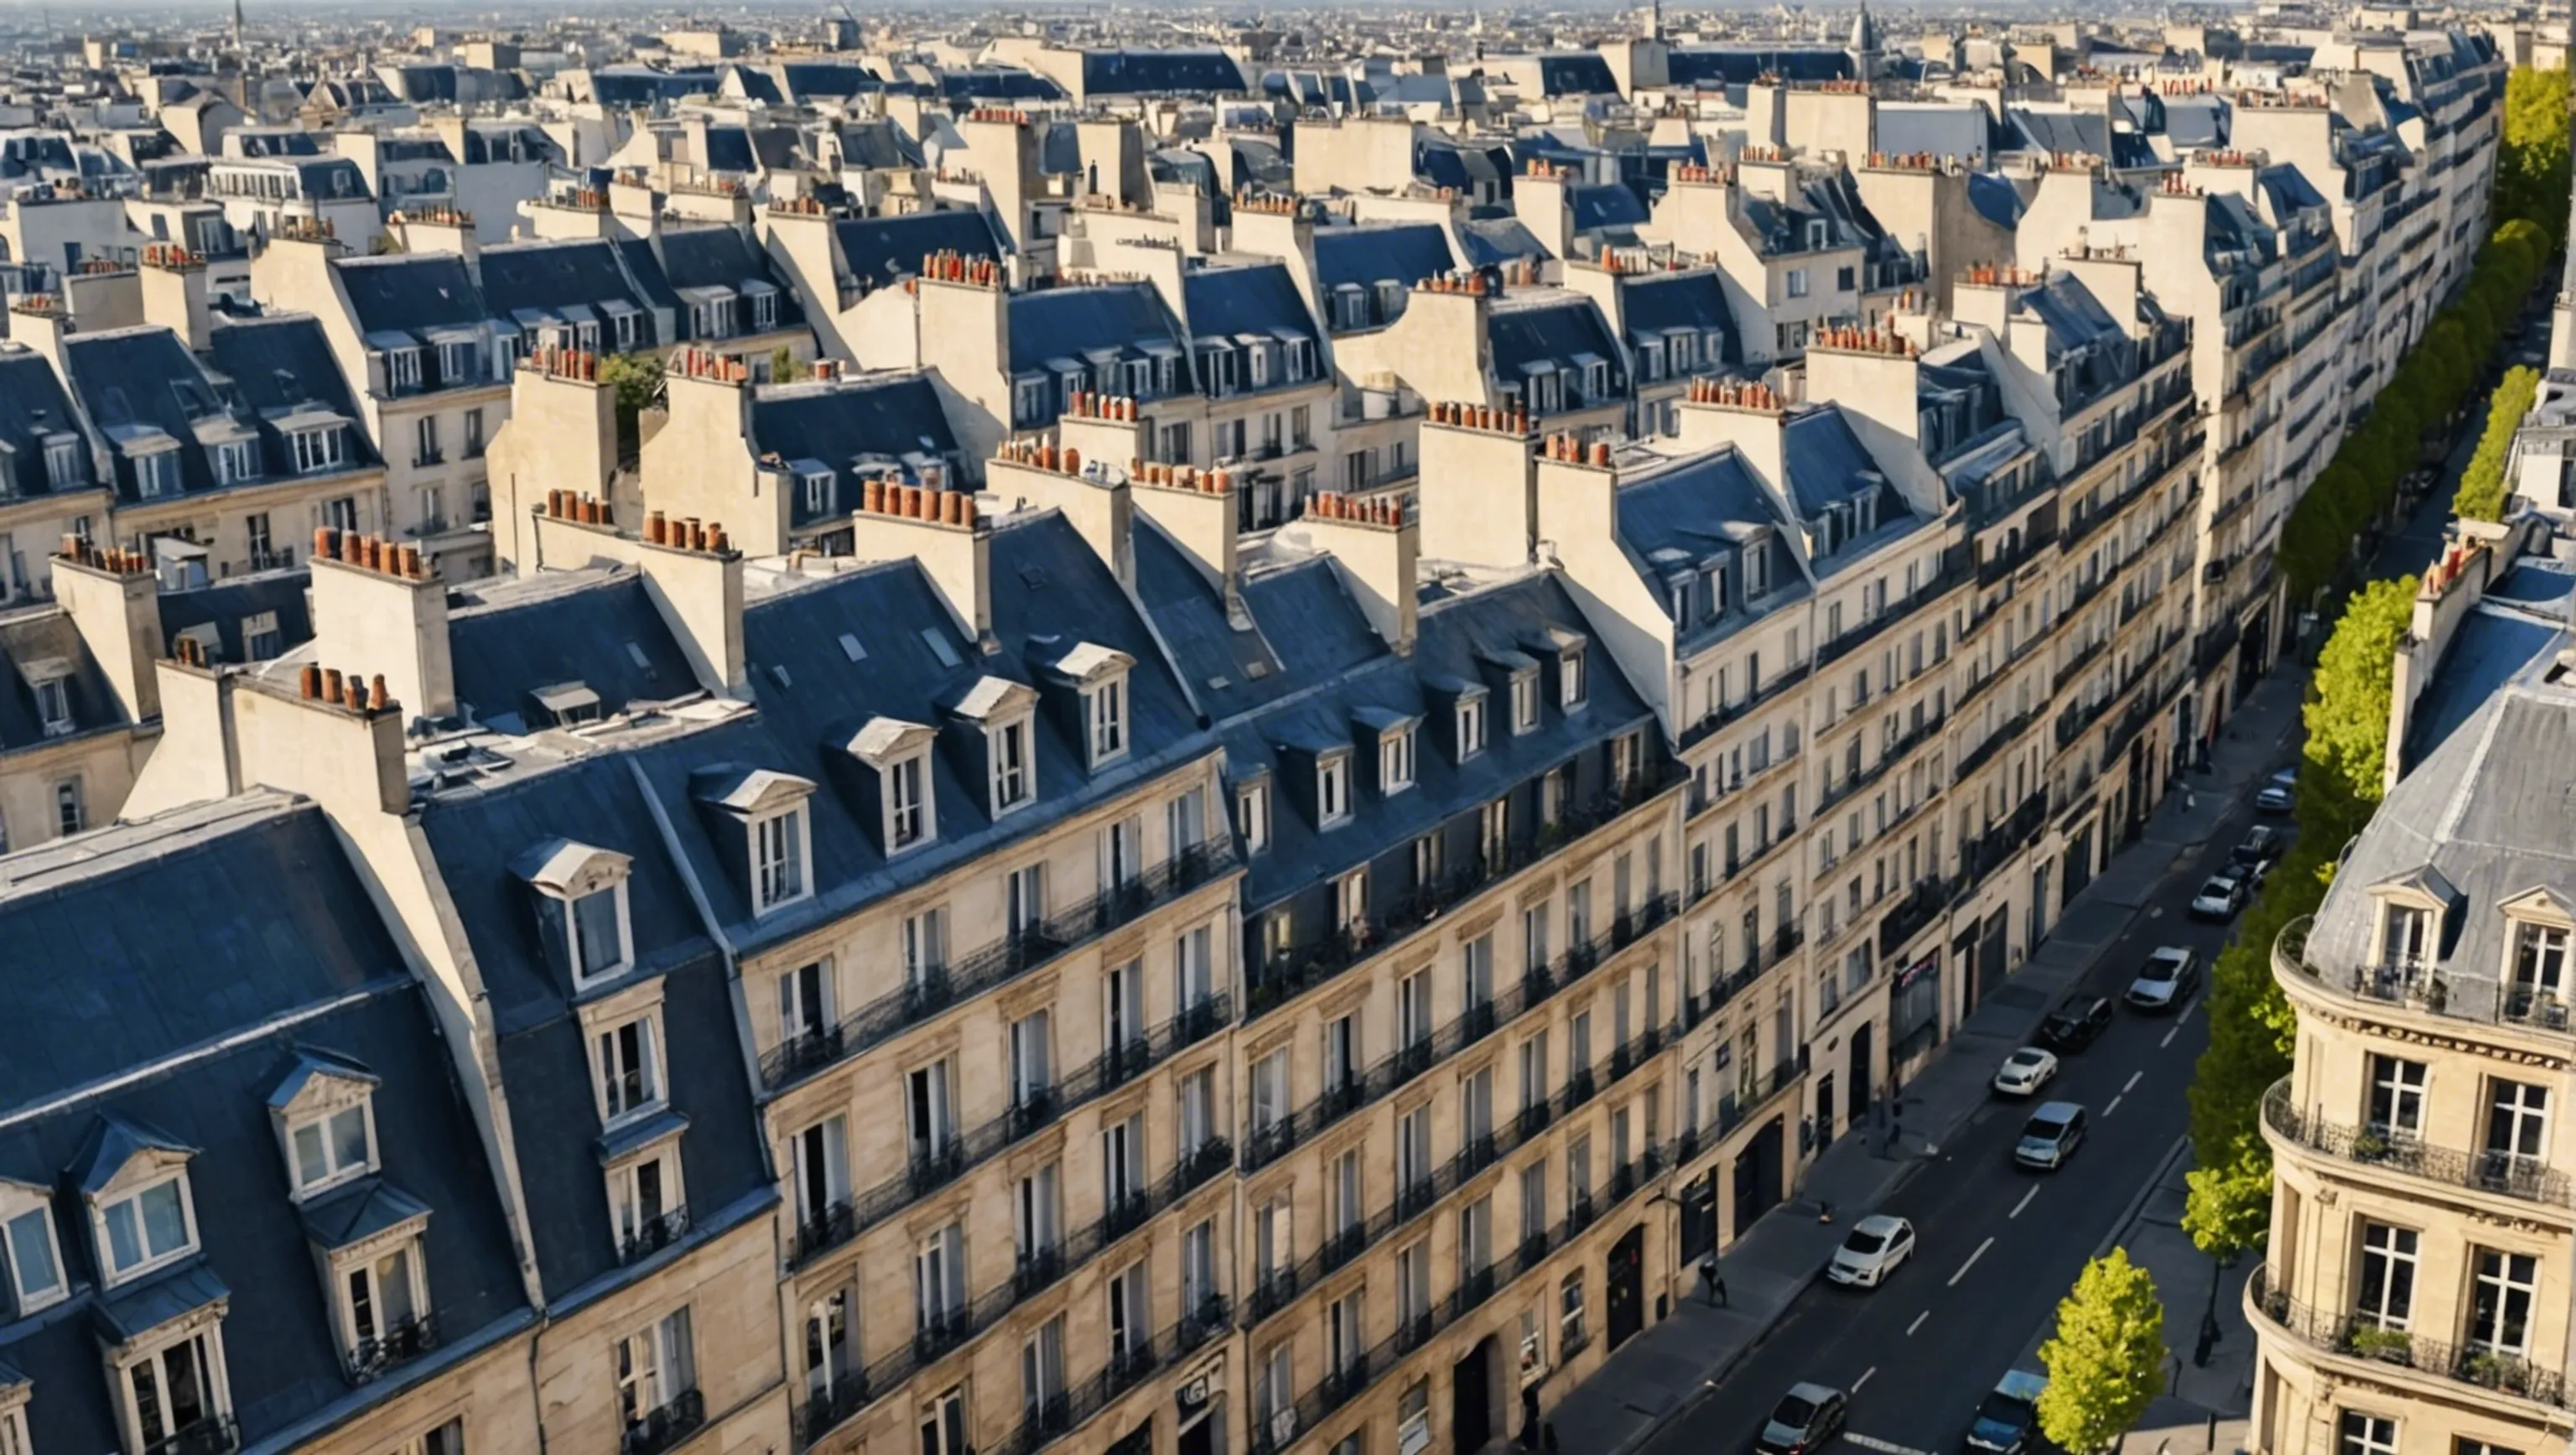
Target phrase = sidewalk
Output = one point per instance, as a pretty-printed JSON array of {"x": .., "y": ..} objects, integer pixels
[{"x": 1656, "y": 1377}]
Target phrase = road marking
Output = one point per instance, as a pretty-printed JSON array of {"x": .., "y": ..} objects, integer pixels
[
  {"x": 2114, "y": 1106},
  {"x": 1918, "y": 1323},
  {"x": 2025, "y": 1201},
  {"x": 1971, "y": 1263},
  {"x": 2132, "y": 1083},
  {"x": 2186, "y": 1012},
  {"x": 2172, "y": 1032},
  {"x": 1883, "y": 1447},
  {"x": 1864, "y": 1378}
]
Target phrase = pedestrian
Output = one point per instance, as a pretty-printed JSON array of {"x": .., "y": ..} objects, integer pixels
[
  {"x": 1824, "y": 1211},
  {"x": 1712, "y": 1283}
]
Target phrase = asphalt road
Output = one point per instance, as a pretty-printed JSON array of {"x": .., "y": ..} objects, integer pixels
[{"x": 1997, "y": 1247}]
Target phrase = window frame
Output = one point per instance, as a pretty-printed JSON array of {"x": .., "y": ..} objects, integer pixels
[
  {"x": 326, "y": 1112},
  {"x": 603, "y": 1021},
  {"x": 1105, "y": 719},
  {"x": 20, "y": 1203},
  {"x": 1019, "y": 779},
  {"x": 1332, "y": 789},
  {"x": 924, "y": 811},
  {"x": 797, "y": 849},
  {"x": 126, "y": 1189}
]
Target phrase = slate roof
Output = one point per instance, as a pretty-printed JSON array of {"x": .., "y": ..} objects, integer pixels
[
  {"x": 720, "y": 256},
  {"x": 609, "y": 637},
  {"x": 1710, "y": 67},
  {"x": 279, "y": 363},
  {"x": 544, "y": 278},
  {"x": 1964, "y": 129},
  {"x": 1653, "y": 304},
  {"x": 1488, "y": 241},
  {"x": 883, "y": 251},
  {"x": 1373, "y": 253},
  {"x": 1577, "y": 73},
  {"x": 1160, "y": 73},
  {"x": 2490, "y": 808},
  {"x": 1705, "y": 509},
  {"x": 259, "y": 919},
  {"x": 225, "y": 604},
  {"x": 1068, "y": 323},
  {"x": 144, "y": 379},
  {"x": 28, "y": 639},
  {"x": 839, "y": 424},
  {"x": 32, "y": 406},
  {"x": 1552, "y": 330}
]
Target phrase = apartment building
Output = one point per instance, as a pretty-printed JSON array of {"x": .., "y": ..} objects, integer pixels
[{"x": 2414, "y": 1292}]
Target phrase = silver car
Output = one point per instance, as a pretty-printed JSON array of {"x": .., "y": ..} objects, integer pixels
[{"x": 2050, "y": 1136}]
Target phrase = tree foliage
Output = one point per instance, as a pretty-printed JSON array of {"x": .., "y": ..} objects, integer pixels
[
  {"x": 2483, "y": 486},
  {"x": 2227, "y": 1208},
  {"x": 2347, "y": 715},
  {"x": 637, "y": 378},
  {"x": 2107, "y": 1358},
  {"x": 2532, "y": 157},
  {"x": 785, "y": 367}
]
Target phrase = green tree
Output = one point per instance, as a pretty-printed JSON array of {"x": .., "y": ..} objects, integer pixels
[
  {"x": 637, "y": 378},
  {"x": 2483, "y": 486},
  {"x": 2107, "y": 1359},
  {"x": 2532, "y": 157},
  {"x": 785, "y": 367},
  {"x": 2347, "y": 715},
  {"x": 2227, "y": 1208}
]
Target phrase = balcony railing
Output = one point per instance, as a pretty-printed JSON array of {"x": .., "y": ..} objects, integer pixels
[
  {"x": 407, "y": 1340},
  {"x": 665, "y": 1427},
  {"x": 2359, "y": 1336},
  {"x": 2501, "y": 1173},
  {"x": 2428, "y": 986},
  {"x": 1301, "y": 967},
  {"x": 1947, "y": 579},
  {"x": 1047, "y": 1420},
  {"x": 845, "y": 1219},
  {"x": 1769, "y": 692},
  {"x": 210, "y": 1435},
  {"x": 1266, "y": 1144},
  {"x": 995, "y": 965},
  {"x": 653, "y": 1236}
]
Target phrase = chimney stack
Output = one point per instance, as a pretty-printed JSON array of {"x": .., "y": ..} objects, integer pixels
[{"x": 374, "y": 602}]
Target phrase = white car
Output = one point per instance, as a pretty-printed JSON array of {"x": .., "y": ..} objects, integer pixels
[
  {"x": 2166, "y": 980},
  {"x": 2025, "y": 1071},
  {"x": 2220, "y": 897},
  {"x": 1876, "y": 1246}
]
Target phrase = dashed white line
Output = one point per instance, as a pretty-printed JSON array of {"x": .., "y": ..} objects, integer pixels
[
  {"x": 2114, "y": 1106},
  {"x": 1918, "y": 1323},
  {"x": 2132, "y": 1083},
  {"x": 2172, "y": 1032},
  {"x": 1864, "y": 1378},
  {"x": 2186, "y": 1012},
  {"x": 2025, "y": 1201},
  {"x": 1971, "y": 1263},
  {"x": 1883, "y": 1447}
]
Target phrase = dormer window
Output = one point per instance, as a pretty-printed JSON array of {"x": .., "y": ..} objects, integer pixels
[
  {"x": 1332, "y": 790},
  {"x": 582, "y": 898},
  {"x": 236, "y": 461},
  {"x": 31, "y": 1261},
  {"x": 1685, "y": 356},
  {"x": 157, "y": 474},
  {"x": 1252, "y": 816},
  {"x": 402, "y": 370},
  {"x": 1757, "y": 569},
  {"x": 54, "y": 706},
  {"x": 63, "y": 462},
  {"x": 317, "y": 449},
  {"x": 1650, "y": 360},
  {"x": 626, "y": 1057},
  {"x": 817, "y": 488},
  {"x": 456, "y": 363},
  {"x": 1104, "y": 713},
  {"x": 1014, "y": 780},
  {"x": 144, "y": 1227},
  {"x": 2405, "y": 937},
  {"x": 778, "y": 851},
  {"x": 2539, "y": 957},
  {"x": 907, "y": 790},
  {"x": 1395, "y": 760},
  {"x": 325, "y": 1113},
  {"x": 1572, "y": 688},
  {"x": 1524, "y": 703},
  {"x": 1471, "y": 726}
]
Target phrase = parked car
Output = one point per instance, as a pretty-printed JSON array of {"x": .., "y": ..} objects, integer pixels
[
  {"x": 2025, "y": 1071},
  {"x": 2260, "y": 848},
  {"x": 2008, "y": 1416},
  {"x": 1806, "y": 1417},
  {"x": 2220, "y": 897},
  {"x": 2274, "y": 796},
  {"x": 1875, "y": 1247},
  {"x": 2168, "y": 978},
  {"x": 2050, "y": 1136},
  {"x": 2076, "y": 1024}
]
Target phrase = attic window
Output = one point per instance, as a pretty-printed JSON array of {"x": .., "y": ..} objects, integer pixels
[
  {"x": 317, "y": 449},
  {"x": 1471, "y": 726},
  {"x": 817, "y": 485},
  {"x": 157, "y": 474},
  {"x": 1524, "y": 702},
  {"x": 1395, "y": 760},
  {"x": 1757, "y": 568},
  {"x": 402, "y": 370},
  {"x": 1014, "y": 774},
  {"x": 1572, "y": 685},
  {"x": 778, "y": 853},
  {"x": 29, "y": 1254},
  {"x": 1815, "y": 234},
  {"x": 1685, "y": 357},
  {"x": 907, "y": 797},
  {"x": 1104, "y": 712},
  {"x": 63, "y": 461},
  {"x": 1332, "y": 790},
  {"x": 145, "y": 1227},
  {"x": 54, "y": 705},
  {"x": 1650, "y": 360}
]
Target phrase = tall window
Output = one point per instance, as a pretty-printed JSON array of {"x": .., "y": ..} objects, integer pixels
[
  {"x": 2408, "y": 932},
  {"x": 1009, "y": 747},
  {"x": 2500, "y": 1301},
  {"x": 2539, "y": 958},
  {"x": 907, "y": 785},
  {"x": 2396, "y": 1096},
  {"x": 2386, "y": 1295},
  {"x": 599, "y": 933},
  {"x": 655, "y": 1366},
  {"x": 927, "y": 1111},
  {"x": 1413, "y": 1281},
  {"x": 939, "y": 1281},
  {"x": 1042, "y": 1375},
  {"x": 174, "y": 1390},
  {"x": 1108, "y": 704},
  {"x": 2517, "y": 1125},
  {"x": 1332, "y": 791},
  {"x": 630, "y": 1069},
  {"x": 1395, "y": 761},
  {"x": 778, "y": 859}
]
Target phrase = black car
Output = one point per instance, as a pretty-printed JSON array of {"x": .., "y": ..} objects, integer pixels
[
  {"x": 2075, "y": 1024},
  {"x": 2260, "y": 850}
]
